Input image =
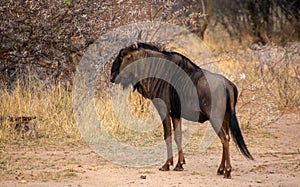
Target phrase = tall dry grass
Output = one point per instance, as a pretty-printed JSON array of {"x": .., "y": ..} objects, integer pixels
[
  {"x": 268, "y": 80},
  {"x": 54, "y": 123},
  {"x": 122, "y": 119}
]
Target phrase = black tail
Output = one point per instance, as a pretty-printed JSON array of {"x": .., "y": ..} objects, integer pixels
[{"x": 235, "y": 129}]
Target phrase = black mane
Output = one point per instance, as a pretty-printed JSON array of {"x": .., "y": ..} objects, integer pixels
[
  {"x": 149, "y": 46},
  {"x": 165, "y": 52}
]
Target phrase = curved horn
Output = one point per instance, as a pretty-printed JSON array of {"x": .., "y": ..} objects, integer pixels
[{"x": 140, "y": 35}]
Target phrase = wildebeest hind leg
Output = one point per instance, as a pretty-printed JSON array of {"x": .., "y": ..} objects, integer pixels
[
  {"x": 225, "y": 166},
  {"x": 178, "y": 139},
  {"x": 221, "y": 168}
]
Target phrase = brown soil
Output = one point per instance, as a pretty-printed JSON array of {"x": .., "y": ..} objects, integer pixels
[{"x": 275, "y": 148}]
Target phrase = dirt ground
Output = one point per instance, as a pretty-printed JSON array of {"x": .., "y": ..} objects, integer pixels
[{"x": 275, "y": 148}]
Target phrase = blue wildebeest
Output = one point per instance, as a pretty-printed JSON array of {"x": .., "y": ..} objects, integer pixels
[{"x": 213, "y": 93}]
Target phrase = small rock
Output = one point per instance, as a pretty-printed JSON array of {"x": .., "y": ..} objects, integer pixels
[
  {"x": 23, "y": 181},
  {"x": 143, "y": 176}
]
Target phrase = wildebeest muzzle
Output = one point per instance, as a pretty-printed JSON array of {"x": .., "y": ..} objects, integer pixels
[{"x": 125, "y": 81}]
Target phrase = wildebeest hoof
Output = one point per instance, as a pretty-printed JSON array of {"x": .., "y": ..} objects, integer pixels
[
  {"x": 178, "y": 168},
  {"x": 164, "y": 168},
  {"x": 220, "y": 171},
  {"x": 227, "y": 175}
]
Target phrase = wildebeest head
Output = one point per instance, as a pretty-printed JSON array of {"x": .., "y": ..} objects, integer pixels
[{"x": 125, "y": 57}]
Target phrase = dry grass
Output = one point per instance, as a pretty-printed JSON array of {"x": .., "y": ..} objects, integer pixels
[
  {"x": 268, "y": 82},
  {"x": 115, "y": 120},
  {"x": 54, "y": 123}
]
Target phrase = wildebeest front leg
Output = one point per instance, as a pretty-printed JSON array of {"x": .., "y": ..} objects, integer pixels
[
  {"x": 178, "y": 140},
  {"x": 168, "y": 140}
]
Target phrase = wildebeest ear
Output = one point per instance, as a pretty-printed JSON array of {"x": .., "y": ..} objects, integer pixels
[{"x": 134, "y": 45}]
